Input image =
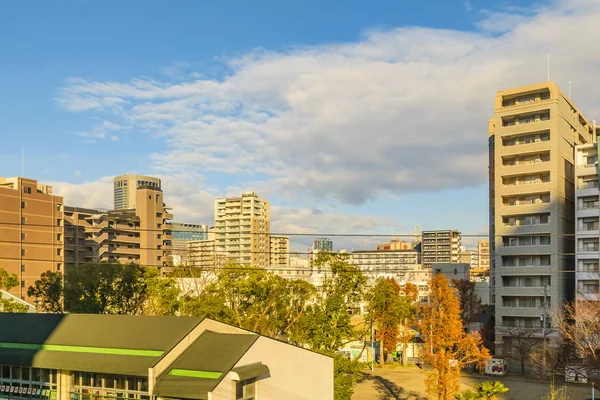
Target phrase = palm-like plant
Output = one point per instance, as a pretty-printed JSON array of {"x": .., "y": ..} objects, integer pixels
[{"x": 485, "y": 391}]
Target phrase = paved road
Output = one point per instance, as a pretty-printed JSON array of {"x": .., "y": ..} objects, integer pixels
[{"x": 407, "y": 384}]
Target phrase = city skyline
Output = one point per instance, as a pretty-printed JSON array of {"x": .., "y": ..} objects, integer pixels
[{"x": 139, "y": 115}]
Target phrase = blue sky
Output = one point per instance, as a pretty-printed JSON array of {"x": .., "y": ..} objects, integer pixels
[{"x": 350, "y": 116}]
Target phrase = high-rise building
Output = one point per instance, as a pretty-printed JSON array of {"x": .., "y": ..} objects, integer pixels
[
  {"x": 280, "y": 251},
  {"x": 532, "y": 139},
  {"x": 31, "y": 231},
  {"x": 483, "y": 255},
  {"x": 125, "y": 187},
  {"x": 242, "y": 229},
  {"x": 440, "y": 247},
  {"x": 587, "y": 255},
  {"x": 323, "y": 244},
  {"x": 142, "y": 235},
  {"x": 183, "y": 235}
]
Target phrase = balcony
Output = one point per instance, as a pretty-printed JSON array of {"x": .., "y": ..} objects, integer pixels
[{"x": 525, "y": 127}]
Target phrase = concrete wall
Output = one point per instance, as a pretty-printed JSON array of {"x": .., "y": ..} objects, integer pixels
[{"x": 296, "y": 374}]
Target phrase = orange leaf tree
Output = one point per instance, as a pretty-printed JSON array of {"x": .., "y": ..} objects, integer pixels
[{"x": 447, "y": 348}]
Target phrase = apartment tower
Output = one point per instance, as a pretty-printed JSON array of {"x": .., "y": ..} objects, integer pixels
[
  {"x": 125, "y": 187},
  {"x": 280, "y": 251},
  {"x": 242, "y": 229},
  {"x": 31, "y": 231},
  {"x": 587, "y": 255},
  {"x": 440, "y": 247},
  {"x": 532, "y": 139}
]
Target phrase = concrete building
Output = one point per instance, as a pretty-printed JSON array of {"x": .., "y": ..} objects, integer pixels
[
  {"x": 470, "y": 257},
  {"x": 242, "y": 229},
  {"x": 322, "y": 244},
  {"x": 532, "y": 139},
  {"x": 395, "y": 244},
  {"x": 453, "y": 270},
  {"x": 183, "y": 235},
  {"x": 280, "y": 251},
  {"x": 125, "y": 187},
  {"x": 142, "y": 235},
  {"x": 385, "y": 263},
  {"x": 190, "y": 358},
  {"x": 31, "y": 231},
  {"x": 483, "y": 253},
  {"x": 440, "y": 247},
  {"x": 587, "y": 255},
  {"x": 203, "y": 253}
]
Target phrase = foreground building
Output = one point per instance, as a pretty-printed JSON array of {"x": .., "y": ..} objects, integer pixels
[
  {"x": 31, "y": 231},
  {"x": 532, "y": 139},
  {"x": 440, "y": 247},
  {"x": 242, "y": 229},
  {"x": 47, "y": 356},
  {"x": 587, "y": 259},
  {"x": 125, "y": 187}
]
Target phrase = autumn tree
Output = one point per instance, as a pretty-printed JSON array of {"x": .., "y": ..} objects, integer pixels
[
  {"x": 522, "y": 341},
  {"x": 469, "y": 301},
  {"x": 48, "y": 292},
  {"x": 447, "y": 348},
  {"x": 387, "y": 310}
]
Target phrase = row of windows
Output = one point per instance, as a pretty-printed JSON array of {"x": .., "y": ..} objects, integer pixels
[
  {"x": 538, "y": 198},
  {"x": 526, "y": 139},
  {"x": 533, "y": 219},
  {"x": 24, "y": 221},
  {"x": 526, "y": 99},
  {"x": 526, "y": 119},
  {"x": 526, "y": 261}
]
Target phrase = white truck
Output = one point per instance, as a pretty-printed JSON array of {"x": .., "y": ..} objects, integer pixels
[{"x": 496, "y": 366}]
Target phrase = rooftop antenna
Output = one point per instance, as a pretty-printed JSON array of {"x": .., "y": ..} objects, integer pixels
[
  {"x": 548, "y": 67},
  {"x": 22, "y": 161},
  {"x": 569, "y": 90}
]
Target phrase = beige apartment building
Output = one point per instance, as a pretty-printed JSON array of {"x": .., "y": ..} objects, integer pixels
[
  {"x": 31, "y": 231},
  {"x": 440, "y": 247},
  {"x": 125, "y": 187},
  {"x": 532, "y": 139},
  {"x": 142, "y": 235},
  {"x": 242, "y": 229},
  {"x": 483, "y": 255},
  {"x": 280, "y": 251},
  {"x": 203, "y": 253}
]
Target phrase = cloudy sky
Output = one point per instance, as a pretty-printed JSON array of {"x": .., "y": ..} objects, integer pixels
[{"x": 350, "y": 116}]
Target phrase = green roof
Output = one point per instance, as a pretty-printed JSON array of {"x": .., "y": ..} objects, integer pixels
[
  {"x": 203, "y": 365},
  {"x": 119, "y": 344}
]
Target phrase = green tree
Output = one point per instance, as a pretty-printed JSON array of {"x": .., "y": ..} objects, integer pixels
[
  {"x": 346, "y": 373},
  {"x": 485, "y": 391},
  {"x": 387, "y": 310},
  {"x": 162, "y": 294},
  {"x": 7, "y": 282},
  {"x": 48, "y": 292}
]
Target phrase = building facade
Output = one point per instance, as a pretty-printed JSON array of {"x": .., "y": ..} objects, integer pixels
[
  {"x": 532, "y": 139},
  {"x": 242, "y": 229},
  {"x": 125, "y": 187},
  {"x": 587, "y": 255},
  {"x": 142, "y": 235},
  {"x": 470, "y": 257},
  {"x": 280, "y": 251},
  {"x": 440, "y": 247},
  {"x": 45, "y": 356},
  {"x": 385, "y": 263},
  {"x": 323, "y": 244},
  {"x": 31, "y": 231},
  {"x": 183, "y": 235},
  {"x": 483, "y": 254}
]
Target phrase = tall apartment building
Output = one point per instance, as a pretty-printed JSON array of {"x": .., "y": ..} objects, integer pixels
[
  {"x": 31, "y": 231},
  {"x": 242, "y": 229},
  {"x": 532, "y": 139},
  {"x": 323, "y": 244},
  {"x": 587, "y": 255},
  {"x": 440, "y": 247},
  {"x": 280, "y": 251},
  {"x": 125, "y": 187},
  {"x": 483, "y": 254},
  {"x": 183, "y": 235},
  {"x": 142, "y": 235}
]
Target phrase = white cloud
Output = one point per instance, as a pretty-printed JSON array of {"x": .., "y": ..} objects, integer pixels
[
  {"x": 399, "y": 111},
  {"x": 100, "y": 131}
]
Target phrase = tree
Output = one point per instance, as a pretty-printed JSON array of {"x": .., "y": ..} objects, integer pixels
[
  {"x": 345, "y": 373},
  {"x": 387, "y": 310},
  {"x": 469, "y": 301},
  {"x": 447, "y": 348},
  {"x": 485, "y": 391},
  {"x": 523, "y": 342},
  {"x": 48, "y": 292},
  {"x": 7, "y": 282},
  {"x": 162, "y": 294}
]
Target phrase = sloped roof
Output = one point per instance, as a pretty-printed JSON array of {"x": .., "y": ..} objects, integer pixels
[
  {"x": 120, "y": 344},
  {"x": 203, "y": 365}
]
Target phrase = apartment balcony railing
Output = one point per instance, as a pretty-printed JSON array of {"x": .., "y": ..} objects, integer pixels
[{"x": 588, "y": 185}]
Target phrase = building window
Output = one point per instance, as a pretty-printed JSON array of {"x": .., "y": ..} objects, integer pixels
[
  {"x": 58, "y": 251},
  {"x": 58, "y": 266},
  {"x": 23, "y": 267},
  {"x": 27, "y": 190},
  {"x": 23, "y": 220},
  {"x": 22, "y": 284},
  {"x": 23, "y": 204},
  {"x": 59, "y": 207},
  {"x": 58, "y": 222},
  {"x": 246, "y": 389},
  {"x": 58, "y": 237},
  {"x": 23, "y": 236},
  {"x": 23, "y": 252}
]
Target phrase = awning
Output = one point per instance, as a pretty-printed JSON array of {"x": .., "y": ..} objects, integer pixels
[{"x": 254, "y": 370}]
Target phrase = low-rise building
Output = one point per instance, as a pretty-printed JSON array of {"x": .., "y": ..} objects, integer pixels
[
  {"x": 385, "y": 263},
  {"x": 453, "y": 270},
  {"x": 78, "y": 357}
]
